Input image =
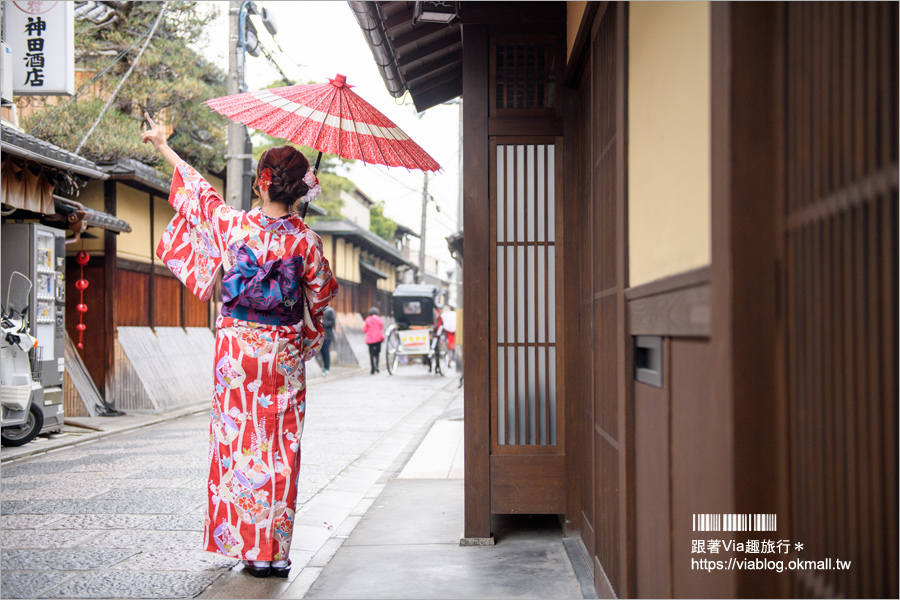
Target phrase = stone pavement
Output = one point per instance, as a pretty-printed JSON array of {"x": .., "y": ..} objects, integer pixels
[
  {"x": 121, "y": 516},
  {"x": 407, "y": 545}
]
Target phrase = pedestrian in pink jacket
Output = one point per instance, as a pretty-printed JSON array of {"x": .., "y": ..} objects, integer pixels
[{"x": 374, "y": 330}]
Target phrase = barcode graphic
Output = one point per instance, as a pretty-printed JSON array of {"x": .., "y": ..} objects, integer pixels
[{"x": 734, "y": 522}]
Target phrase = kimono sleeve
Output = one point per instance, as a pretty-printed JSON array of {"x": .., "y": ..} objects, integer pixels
[
  {"x": 319, "y": 287},
  {"x": 194, "y": 242}
]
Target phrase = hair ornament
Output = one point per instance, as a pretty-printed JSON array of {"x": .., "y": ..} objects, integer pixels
[
  {"x": 314, "y": 188},
  {"x": 265, "y": 179}
]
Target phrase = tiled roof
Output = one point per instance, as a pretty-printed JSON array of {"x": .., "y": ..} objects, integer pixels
[
  {"x": 28, "y": 146},
  {"x": 364, "y": 238}
]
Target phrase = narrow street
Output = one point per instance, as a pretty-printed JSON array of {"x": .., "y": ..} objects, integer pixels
[{"x": 122, "y": 516}]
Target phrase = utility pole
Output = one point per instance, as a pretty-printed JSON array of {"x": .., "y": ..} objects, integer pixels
[
  {"x": 422, "y": 234},
  {"x": 237, "y": 153}
]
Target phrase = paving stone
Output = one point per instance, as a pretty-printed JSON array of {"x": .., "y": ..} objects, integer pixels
[
  {"x": 148, "y": 540},
  {"x": 58, "y": 493},
  {"x": 62, "y": 560},
  {"x": 192, "y": 561},
  {"x": 22, "y": 506},
  {"x": 25, "y": 483},
  {"x": 128, "y": 584},
  {"x": 158, "y": 495},
  {"x": 98, "y": 522},
  {"x": 176, "y": 523},
  {"x": 192, "y": 473},
  {"x": 21, "y": 584},
  {"x": 149, "y": 484},
  {"x": 27, "y": 521},
  {"x": 23, "y": 539},
  {"x": 83, "y": 507}
]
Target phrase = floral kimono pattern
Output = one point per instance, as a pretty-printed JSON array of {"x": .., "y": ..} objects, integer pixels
[{"x": 275, "y": 287}]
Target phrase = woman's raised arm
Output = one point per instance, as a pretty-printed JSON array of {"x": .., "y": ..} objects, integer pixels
[{"x": 155, "y": 136}]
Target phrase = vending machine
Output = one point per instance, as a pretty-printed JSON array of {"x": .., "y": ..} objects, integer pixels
[{"x": 40, "y": 253}]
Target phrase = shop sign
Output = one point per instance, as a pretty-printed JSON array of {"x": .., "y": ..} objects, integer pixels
[{"x": 42, "y": 38}]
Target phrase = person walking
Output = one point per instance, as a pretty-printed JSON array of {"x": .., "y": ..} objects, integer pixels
[
  {"x": 329, "y": 318},
  {"x": 374, "y": 330},
  {"x": 276, "y": 284}
]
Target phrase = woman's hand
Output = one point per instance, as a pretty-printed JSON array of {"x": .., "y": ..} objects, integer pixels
[{"x": 155, "y": 136}]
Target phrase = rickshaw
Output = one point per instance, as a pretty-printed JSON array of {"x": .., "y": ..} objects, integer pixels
[{"x": 418, "y": 331}]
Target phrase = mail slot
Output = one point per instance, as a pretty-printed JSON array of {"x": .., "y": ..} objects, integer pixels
[{"x": 648, "y": 359}]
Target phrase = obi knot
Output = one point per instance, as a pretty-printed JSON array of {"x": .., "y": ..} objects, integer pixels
[{"x": 274, "y": 284}]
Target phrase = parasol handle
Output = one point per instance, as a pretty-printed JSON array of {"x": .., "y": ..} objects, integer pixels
[{"x": 306, "y": 204}]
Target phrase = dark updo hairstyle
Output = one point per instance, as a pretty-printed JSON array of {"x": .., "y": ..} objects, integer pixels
[{"x": 288, "y": 166}]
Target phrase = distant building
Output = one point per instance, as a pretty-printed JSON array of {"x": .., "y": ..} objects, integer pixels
[{"x": 367, "y": 267}]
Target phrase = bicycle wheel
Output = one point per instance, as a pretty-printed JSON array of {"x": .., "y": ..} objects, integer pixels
[
  {"x": 442, "y": 356},
  {"x": 392, "y": 349}
]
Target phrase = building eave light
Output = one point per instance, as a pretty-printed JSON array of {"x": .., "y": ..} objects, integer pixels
[{"x": 435, "y": 11}]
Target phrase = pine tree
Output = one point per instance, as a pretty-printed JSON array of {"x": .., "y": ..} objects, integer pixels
[{"x": 171, "y": 81}]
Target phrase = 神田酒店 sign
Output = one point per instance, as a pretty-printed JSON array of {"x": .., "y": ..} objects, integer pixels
[{"x": 41, "y": 36}]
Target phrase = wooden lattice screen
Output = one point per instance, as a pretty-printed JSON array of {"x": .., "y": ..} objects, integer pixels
[
  {"x": 525, "y": 75},
  {"x": 840, "y": 232},
  {"x": 525, "y": 274}
]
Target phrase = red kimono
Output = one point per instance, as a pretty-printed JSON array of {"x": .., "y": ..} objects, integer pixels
[{"x": 275, "y": 287}]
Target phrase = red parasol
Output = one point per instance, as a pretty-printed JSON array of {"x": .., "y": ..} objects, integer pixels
[{"x": 329, "y": 118}]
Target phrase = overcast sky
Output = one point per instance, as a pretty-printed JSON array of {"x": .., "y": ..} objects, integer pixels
[{"x": 321, "y": 39}]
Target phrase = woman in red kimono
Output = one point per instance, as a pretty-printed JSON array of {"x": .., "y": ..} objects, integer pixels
[{"x": 275, "y": 286}]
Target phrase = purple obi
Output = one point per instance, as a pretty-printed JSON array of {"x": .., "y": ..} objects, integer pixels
[{"x": 270, "y": 294}]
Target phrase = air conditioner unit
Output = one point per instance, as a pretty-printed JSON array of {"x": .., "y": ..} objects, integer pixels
[{"x": 6, "y": 80}]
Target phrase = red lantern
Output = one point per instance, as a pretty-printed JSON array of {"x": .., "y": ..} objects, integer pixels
[{"x": 82, "y": 259}]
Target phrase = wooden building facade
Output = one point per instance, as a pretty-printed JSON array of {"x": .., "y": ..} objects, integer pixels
[
  {"x": 688, "y": 218},
  {"x": 367, "y": 267}
]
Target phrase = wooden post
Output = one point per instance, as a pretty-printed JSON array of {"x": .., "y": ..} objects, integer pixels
[
  {"x": 109, "y": 275},
  {"x": 476, "y": 293}
]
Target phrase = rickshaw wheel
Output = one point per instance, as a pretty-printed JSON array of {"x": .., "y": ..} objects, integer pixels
[
  {"x": 392, "y": 349},
  {"x": 442, "y": 360}
]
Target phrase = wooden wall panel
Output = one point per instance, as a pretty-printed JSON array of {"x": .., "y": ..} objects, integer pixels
[
  {"x": 196, "y": 312},
  {"x": 167, "y": 302},
  {"x": 133, "y": 297},
  {"x": 527, "y": 488},
  {"x": 696, "y": 465},
  {"x": 652, "y": 490}
]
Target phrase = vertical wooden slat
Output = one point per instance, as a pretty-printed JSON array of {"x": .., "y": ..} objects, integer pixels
[
  {"x": 888, "y": 292},
  {"x": 506, "y": 332},
  {"x": 876, "y": 395},
  {"x": 515, "y": 250},
  {"x": 523, "y": 244},
  {"x": 846, "y": 170},
  {"x": 546, "y": 251},
  {"x": 859, "y": 303},
  {"x": 494, "y": 179},
  {"x": 537, "y": 306},
  {"x": 834, "y": 383}
]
